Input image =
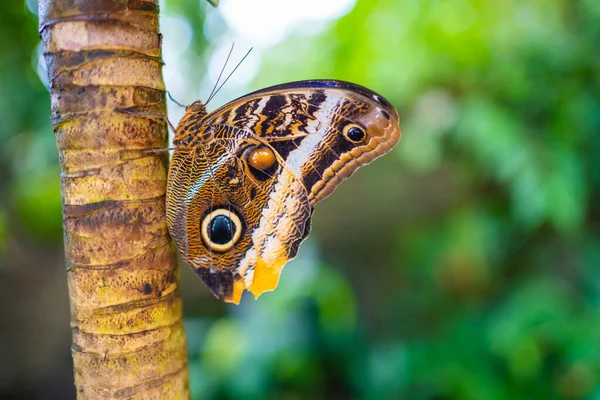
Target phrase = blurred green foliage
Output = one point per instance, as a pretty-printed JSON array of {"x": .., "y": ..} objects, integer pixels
[
  {"x": 29, "y": 181},
  {"x": 462, "y": 266},
  {"x": 493, "y": 294}
]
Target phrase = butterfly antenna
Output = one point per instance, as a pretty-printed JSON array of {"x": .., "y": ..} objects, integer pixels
[
  {"x": 173, "y": 100},
  {"x": 220, "y": 73},
  {"x": 228, "y": 76}
]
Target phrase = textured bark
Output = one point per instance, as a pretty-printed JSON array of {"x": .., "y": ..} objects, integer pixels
[{"x": 104, "y": 69}]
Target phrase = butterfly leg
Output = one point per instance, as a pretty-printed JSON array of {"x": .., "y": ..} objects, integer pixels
[{"x": 162, "y": 117}]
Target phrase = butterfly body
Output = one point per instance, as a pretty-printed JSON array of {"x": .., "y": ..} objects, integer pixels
[{"x": 245, "y": 178}]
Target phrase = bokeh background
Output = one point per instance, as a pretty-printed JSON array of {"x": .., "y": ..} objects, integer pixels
[{"x": 464, "y": 265}]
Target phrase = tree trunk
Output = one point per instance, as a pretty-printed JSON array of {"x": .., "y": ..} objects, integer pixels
[{"x": 104, "y": 69}]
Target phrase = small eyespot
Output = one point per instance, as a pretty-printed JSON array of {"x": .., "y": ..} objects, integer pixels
[
  {"x": 262, "y": 162},
  {"x": 354, "y": 133},
  {"x": 262, "y": 158},
  {"x": 221, "y": 229}
]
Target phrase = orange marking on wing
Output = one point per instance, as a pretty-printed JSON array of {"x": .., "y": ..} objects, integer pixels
[
  {"x": 236, "y": 295},
  {"x": 266, "y": 277}
]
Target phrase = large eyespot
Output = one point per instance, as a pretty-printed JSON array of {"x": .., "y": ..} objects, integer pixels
[
  {"x": 221, "y": 229},
  {"x": 262, "y": 162},
  {"x": 354, "y": 133}
]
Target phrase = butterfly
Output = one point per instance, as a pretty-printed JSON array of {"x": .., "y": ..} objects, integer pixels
[{"x": 244, "y": 179}]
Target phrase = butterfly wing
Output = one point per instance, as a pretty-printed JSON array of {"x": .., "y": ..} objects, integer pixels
[
  {"x": 318, "y": 132},
  {"x": 235, "y": 225},
  {"x": 307, "y": 123}
]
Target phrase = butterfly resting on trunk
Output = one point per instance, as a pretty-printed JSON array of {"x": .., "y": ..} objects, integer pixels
[{"x": 244, "y": 179}]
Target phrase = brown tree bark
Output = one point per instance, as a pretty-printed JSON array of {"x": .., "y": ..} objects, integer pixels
[{"x": 104, "y": 69}]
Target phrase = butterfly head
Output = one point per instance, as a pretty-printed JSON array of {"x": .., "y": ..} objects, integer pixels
[
  {"x": 189, "y": 124},
  {"x": 196, "y": 107}
]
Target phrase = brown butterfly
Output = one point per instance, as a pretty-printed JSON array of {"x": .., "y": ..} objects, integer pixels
[{"x": 244, "y": 179}]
